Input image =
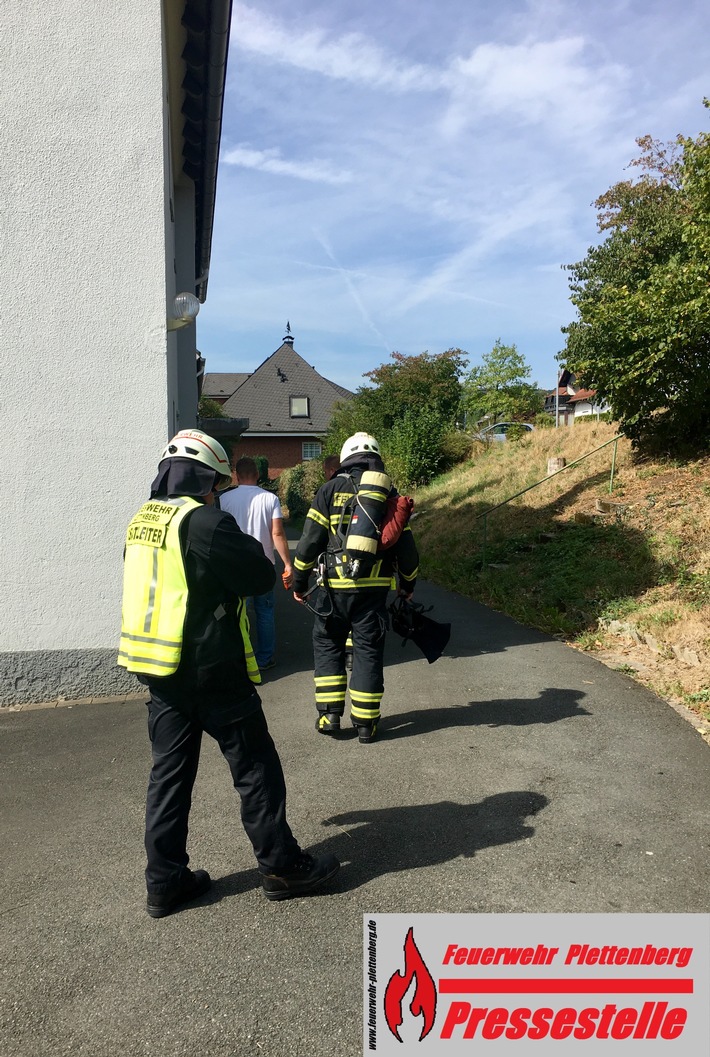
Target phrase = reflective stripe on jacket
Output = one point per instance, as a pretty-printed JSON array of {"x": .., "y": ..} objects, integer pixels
[
  {"x": 320, "y": 537},
  {"x": 249, "y": 656}
]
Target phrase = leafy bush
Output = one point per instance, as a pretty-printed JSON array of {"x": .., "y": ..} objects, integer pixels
[
  {"x": 412, "y": 449},
  {"x": 543, "y": 420},
  {"x": 291, "y": 491},
  {"x": 516, "y": 432},
  {"x": 262, "y": 465},
  {"x": 298, "y": 485},
  {"x": 208, "y": 408},
  {"x": 455, "y": 447}
]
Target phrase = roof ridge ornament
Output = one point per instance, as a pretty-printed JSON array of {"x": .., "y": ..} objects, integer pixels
[{"x": 288, "y": 337}]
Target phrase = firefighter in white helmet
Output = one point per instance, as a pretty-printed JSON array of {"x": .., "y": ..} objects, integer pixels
[
  {"x": 341, "y": 541},
  {"x": 188, "y": 568}
]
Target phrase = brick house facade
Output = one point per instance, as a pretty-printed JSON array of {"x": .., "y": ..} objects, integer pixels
[
  {"x": 288, "y": 406},
  {"x": 280, "y": 452}
]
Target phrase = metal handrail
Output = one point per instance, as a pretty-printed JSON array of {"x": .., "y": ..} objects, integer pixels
[{"x": 614, "y": 440}]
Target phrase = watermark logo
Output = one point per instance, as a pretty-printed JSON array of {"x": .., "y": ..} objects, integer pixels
[
  {"x": 592, "y": 983},
  {"x": 423, "y": 1001}
]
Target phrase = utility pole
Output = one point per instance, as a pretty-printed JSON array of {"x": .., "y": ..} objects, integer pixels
[{"x": 557, "y": 400}]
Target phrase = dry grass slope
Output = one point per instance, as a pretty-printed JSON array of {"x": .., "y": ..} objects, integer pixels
[{"x": 632, "y": 585}]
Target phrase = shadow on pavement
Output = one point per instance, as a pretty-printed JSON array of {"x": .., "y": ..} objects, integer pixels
[
  {"x": 551, "y": 705},
  {"x": 372, "y": 843}
]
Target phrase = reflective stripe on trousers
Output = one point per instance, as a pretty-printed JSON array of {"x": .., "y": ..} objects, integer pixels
[{"x": 365, "y": 614}]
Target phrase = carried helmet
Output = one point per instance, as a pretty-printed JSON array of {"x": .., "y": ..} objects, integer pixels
[
  {"x": 359, "y": 444},
  {"x": 194, "y": 444}
]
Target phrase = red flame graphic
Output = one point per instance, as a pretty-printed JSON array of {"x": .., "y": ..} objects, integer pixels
[{"x": 424, "y": 1001}]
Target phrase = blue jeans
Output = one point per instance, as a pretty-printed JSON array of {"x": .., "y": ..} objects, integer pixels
[{"x": 265, "y": 627}]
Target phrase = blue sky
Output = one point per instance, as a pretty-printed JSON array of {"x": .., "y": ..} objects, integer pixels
[{"x": 407, "y": 176}]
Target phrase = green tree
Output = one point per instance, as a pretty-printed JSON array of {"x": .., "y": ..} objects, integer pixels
[
  {"x": 403, "y": 387},
  {"x": 351, "y": 416},
  {"x": 642, "y": 336},
  {"x": 208, "y": 408},
  {"x": 411, "y": 381},
  {"x": 498, "y": 387}
]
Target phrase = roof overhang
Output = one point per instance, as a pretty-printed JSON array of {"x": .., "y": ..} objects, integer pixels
[
  {"x": 312, "y": 434},
  {"x": 223, "y": 427},
  {"x": 201, "y": 72}
]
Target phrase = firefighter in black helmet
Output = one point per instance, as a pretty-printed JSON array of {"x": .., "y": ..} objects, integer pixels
[{"x": 353, "y": 585}]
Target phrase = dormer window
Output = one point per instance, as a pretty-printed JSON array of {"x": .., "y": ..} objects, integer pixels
[{"x": 300, "y": 407}]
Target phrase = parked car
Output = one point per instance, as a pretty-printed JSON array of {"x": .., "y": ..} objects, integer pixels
[{"x": 497, "y": 431}]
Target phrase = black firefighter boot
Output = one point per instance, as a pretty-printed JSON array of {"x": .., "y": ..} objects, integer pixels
[
  {"x": 328, "y": 723},
  {"x": 193, "y": 885},
  {"x": 365, "y": 731}
]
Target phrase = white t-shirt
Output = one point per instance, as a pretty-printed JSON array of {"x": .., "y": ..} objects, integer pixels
[{"x": 253, "y": 509}]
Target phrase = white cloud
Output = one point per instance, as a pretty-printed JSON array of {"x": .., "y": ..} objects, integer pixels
[
  {"x": 349, "y": 57},
  {"x": 272, "y": 162},
  {"x": 539, "y": 82}
]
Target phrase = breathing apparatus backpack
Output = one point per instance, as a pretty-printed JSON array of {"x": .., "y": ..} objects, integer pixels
[{"x": 352, "y": 548}]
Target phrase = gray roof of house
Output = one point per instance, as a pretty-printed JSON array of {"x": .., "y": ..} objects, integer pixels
[
  {"x": 222, "y": 384},
  {"x": 264, "y": 398}
]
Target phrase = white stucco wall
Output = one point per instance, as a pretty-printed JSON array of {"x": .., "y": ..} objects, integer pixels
[
  {"x": 585, "y": 408},
  {"x": 84, "y": 398}
]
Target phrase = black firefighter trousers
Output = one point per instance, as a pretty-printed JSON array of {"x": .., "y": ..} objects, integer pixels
[
  {"x": 256, "y": 772},
  {"x": 364, "y": 611}
]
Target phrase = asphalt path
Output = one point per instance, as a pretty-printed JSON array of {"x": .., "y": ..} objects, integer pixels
[{"x": 513, "y": 775}]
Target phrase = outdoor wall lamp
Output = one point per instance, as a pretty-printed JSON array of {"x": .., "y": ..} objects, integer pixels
[{"x": 185, "y": 309}]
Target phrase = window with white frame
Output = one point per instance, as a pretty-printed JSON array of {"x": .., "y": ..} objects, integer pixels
[
  {"x": 299, "y": 406},
  {"x": 311, "y": 449}
]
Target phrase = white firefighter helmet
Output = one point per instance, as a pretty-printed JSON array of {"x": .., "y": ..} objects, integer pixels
[
  {"x": 359, "y": 444},
  {"x": 194, "y": 444}
]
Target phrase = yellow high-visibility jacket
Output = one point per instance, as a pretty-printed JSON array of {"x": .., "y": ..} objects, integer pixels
[
  {"x": 155, "y": 592},
  {"x": 154, "y": 588}
]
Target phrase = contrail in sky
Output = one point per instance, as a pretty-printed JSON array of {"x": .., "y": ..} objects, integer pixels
[{"x": 322, "y": 240}]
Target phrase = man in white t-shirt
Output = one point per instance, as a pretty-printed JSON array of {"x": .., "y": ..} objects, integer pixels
[{"x": 258, "y": 513}]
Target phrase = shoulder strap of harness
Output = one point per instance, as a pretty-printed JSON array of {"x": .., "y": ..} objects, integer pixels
[{"x": 346, "y": 510}]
